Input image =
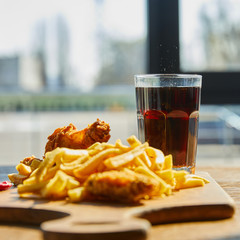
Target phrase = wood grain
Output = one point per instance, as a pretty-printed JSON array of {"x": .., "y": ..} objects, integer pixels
[{"x": 107, "y": 220}]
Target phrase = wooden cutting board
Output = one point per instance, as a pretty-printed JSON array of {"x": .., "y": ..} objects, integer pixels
[{"x": 61, "y": 220}]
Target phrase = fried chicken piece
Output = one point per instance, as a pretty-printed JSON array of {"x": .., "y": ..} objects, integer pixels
[
  {"x": 16, "y": 178},
  {"x": 70, "y": 137},
  {"x": 25, "y": 168},
  {"x": 120, "y": 186},
  {"x": 28, "y": 160}
]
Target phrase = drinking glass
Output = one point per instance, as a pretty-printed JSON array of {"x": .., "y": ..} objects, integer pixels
[{"x": 168, "y": 115}]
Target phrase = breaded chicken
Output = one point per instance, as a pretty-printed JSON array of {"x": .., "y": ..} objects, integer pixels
[
  {"x": 28, "y": 160},
  {"x": 70, "y": 137},
  {"x": 120, "y": 186},
  {"x": 25, "y": 168}
]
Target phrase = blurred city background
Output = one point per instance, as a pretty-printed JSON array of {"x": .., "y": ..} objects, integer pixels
[{"x": 73, "y": 61}]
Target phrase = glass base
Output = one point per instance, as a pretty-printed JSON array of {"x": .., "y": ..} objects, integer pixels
[{"x": 190, "y": 169}]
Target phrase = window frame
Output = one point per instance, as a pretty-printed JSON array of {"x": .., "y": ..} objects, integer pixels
[{"x": 164, "y": 54}]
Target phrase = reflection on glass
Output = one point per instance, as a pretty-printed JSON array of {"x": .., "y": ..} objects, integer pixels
[{"x": 209, "y": 35}]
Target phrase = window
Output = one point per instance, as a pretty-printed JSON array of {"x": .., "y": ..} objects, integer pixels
[
  {"x": 209, "y": 35},
  {"x": 188, "y": 39},
  {"x": 70, "y": 47},
  {"x": 67, "y": 61},
  {"x": 203, "y": 37}
]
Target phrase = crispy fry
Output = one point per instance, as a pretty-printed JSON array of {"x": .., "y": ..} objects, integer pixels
[
  {"x": 35, "y": 163},
  {"x": 82, "y": 178},
  {"x": 34, "y": 172},
  {"x": 68, "y": 169},
  {"x": 76, "y": 194},
  {"x": 24, "y": 169},
  {"x": 94, "y": 145},
  {"x": 90, "y": 166},
  {"x": 48, "y": 162},
  {"x": 180, "y": 177},
  {"x": 155, "y": 155},
  {"x": 197, "y": 177},
  {"x": 167, "y": 164},
  {"x": 120, "y": 160},
  {"x": 167, "y": 175},
  {"x": 77, "y": 162},
  {"x": 101, "y": 167},
  {"x": 145, "y": 158},
  {"x": 138, "y": 162},
  {"x": 31, "y": 188},
  {"x": 158, "y": 166},
  {"x": 58, "y": 186},
  {"x": 100, "y": 148},
  {"x": 133, "y": 141},
  {"x": 30, "y": 180},
  {"x": 70, "y": 155},
  {"x": 120, "y": 145},
  {"x": 190, "y": 182},
  {"x": 163, "y": 186}
]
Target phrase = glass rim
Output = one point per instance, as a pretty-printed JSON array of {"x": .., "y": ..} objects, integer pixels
[
  {"x": 168, "y": 75},
  {"x": 168, "y": 80}
]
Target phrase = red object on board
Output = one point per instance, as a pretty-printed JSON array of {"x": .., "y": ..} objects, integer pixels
[{"x": 5, "y": 185}]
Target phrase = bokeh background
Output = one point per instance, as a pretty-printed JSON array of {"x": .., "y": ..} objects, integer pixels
[{"x": 73, "y": 61}]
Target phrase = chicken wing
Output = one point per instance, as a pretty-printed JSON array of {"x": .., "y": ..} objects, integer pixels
[{"x": 70, "y": 137}]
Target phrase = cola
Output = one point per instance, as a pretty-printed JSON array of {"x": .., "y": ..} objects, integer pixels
[{"x": 168, "y": 120}]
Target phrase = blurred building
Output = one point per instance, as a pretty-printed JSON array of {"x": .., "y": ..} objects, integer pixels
[
  {"x": 9, "y": 73},
  {"x": 51, "y": 47},
  {"x": 31, "y": 76}
]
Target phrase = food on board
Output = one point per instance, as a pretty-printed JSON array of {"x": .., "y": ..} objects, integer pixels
[
  {"x": 24, "y": 168},
  {"x": 67, "y": 136},
  {"x": 104, "y": 171},
  {"x": 70, "y": 137}
]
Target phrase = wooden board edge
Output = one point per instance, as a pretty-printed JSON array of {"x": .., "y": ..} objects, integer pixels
[{"x": 136, "y": 229}]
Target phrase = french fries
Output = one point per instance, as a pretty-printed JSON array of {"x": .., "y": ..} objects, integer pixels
[
  {"x": 76, "y": 194},
  {"x": 90, "y": 166},
  {"x": 25, "y": 168},
  {"x": 58, "y": 186},
  {"x": 64, "y": 172},
  {"x": 123, "y": 159}
]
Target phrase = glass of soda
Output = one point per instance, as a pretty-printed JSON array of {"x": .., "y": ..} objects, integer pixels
[{"x": 168, "y": 115}]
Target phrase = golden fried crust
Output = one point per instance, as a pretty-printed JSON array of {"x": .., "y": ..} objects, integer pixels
[
  {"x": 28, "y": 160},
  {"x": 70, "y": 137},
  {"x": 120, "y": 186},
  {"x": 16, "y": 178}
]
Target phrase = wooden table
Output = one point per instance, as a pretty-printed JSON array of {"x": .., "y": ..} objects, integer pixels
[{"x": 227, "y": 177}]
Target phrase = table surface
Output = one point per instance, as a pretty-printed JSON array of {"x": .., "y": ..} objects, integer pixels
[{"x": 227, "y": 177}]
